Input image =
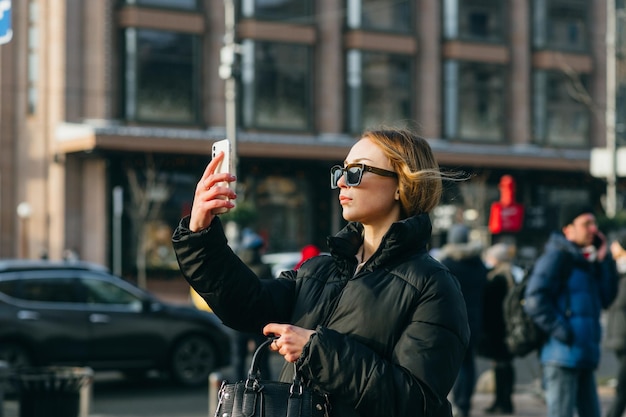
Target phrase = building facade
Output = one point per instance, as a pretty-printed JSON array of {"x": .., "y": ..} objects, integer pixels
[{"x": 108, "y": 110}]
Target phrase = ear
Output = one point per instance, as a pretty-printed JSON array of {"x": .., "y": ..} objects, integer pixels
[{"x": 397, "y": 194}]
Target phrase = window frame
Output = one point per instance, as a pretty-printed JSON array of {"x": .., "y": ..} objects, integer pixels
[
  {"x": 355, "y": 16},
  {"x": 541, "y": 21},
  {"x": 541, "y": 110},
  {"x": 355, "y": 94},
  {"x": 174, "y": 6},
  {"x": 247, "y": 85},
  {"x": 452, "y": 122},
  {"x": 131, "y": 78},
  {"x": 452, "y": 14},
  {"x": 249, "y": 9}
]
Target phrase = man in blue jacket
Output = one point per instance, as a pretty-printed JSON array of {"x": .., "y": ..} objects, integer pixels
[{"x": 572, "y": 281}]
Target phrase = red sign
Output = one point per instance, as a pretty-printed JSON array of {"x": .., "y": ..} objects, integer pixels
[{"x": 506, "y": 215}]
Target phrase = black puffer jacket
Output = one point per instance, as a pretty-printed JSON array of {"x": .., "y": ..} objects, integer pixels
[{"x": 389, "y": 340}]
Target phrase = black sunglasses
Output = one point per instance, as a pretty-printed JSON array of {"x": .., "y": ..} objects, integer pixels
[{"x": 353, "y": 173}]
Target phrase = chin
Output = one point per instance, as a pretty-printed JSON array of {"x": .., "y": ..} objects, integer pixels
[{"x": 349, "y": 217}]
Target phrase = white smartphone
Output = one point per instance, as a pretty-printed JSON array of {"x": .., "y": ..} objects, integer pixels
[{"x": 224, "y": 166}]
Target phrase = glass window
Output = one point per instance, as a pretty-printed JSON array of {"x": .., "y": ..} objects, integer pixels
[
  {"x": 379, "y": 90},
  {"x": 9, "y": 286},
  {"x": 561, "y": 24},
  {"x": 473, "y": 19},
  {"x": 58, "y": 290},
  {"x": 161, "y": 76},
  {"x": 474, "y": 101},
  {"x": 380, "y": 15},
  {"x": 166, "y": 4},
  {"x": 560, "y": 118},
  {"x": 289, "y": 11},
  {"x": 276, "y": 85},
  {"x": 102, "y": 292}
]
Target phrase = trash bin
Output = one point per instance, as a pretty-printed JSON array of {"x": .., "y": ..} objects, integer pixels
[{"x": 53, "y": 391}]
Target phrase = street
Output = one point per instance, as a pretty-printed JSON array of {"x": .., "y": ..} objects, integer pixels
[{"x": 114, "y": 396}]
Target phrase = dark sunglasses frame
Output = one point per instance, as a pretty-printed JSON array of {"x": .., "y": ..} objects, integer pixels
[{"x": 334, "y": 178}]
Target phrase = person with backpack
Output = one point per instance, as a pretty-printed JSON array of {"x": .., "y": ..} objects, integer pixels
[
  {"x": 571, "y": 282},
  {"x": 502, "y": 276},
  {"x": 616, "y": 326}
]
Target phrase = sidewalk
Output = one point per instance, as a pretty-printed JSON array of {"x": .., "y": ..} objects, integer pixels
[{"x": 528, "y": 403}]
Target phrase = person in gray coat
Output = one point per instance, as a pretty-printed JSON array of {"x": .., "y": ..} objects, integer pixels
[
  {"x": 464, "y": 259},
  {"x": 378, "y": 325},
  {"x": 616, "y": 326}
]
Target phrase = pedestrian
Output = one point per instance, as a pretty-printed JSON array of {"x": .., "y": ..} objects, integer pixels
[
  {"x": 464, "y": 259},
  {"x": 567, "y": 289},
  {"x": 379, "y": 326},
  {"x": 246, "y": 342},
  {"x": 616, "y": 326},
  {"x": 501, "y": 276}
]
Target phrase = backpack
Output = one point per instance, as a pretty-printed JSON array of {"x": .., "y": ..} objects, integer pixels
[{"x": 522, "y": 334}]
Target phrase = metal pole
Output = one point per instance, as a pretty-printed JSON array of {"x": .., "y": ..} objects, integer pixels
[
  {"x": 118, "y": 209},
  {"x": 611, "y": 181},
  {"x": 228, "y": 53},
  {"x": 215, "y": 382}
]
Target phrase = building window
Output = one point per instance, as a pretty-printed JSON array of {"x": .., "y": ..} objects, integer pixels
[
  {"x": 560, "y": 118},
  {"x": 276, "y": 85},
  {"x": 33, "y": 55},
  {"x": 288, "y": 11},
  {"x": 620, "y": 114},
  {"x": 166, "y": 4},
  {"x": 161, "y": 76},
  {"x": 478, "y": 20},
  {"x": 474, "y": 101},
  {"x": 561, "y": 25},
  {"x": 379, "y": 90},
  {"x": 380, "y": 15}
]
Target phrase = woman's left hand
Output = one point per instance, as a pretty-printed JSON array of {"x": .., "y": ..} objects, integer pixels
[{"x": 290, "y": 339}]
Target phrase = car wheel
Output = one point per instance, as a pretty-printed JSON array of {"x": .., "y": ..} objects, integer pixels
[{"x": 192, "y": 361}]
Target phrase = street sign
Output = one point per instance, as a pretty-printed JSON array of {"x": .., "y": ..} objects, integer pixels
[
  {"x": 6, "y": 33},
  {"x": 602, "y": 163}
]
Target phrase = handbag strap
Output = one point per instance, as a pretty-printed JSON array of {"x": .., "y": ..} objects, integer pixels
[{"x": 255, "y": 370}]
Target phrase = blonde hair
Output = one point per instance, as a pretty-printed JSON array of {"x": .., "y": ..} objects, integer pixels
[{"x": 419, "y": 177}]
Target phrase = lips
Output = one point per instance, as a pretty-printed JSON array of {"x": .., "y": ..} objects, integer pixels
[{"x": 343, "y": 199}]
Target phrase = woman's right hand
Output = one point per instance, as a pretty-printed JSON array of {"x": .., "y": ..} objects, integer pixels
[{"x": 211, "y": 196}]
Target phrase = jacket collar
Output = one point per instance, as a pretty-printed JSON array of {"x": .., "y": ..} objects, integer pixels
[{"x": 404, "y": 237}]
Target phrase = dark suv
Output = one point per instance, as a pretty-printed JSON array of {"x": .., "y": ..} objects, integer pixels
[{"x": 78, "y": 314}]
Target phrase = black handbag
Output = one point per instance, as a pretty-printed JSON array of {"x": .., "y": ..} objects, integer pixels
[{"x": 255, "y": 397}]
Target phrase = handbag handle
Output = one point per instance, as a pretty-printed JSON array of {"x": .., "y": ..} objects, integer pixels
[
  {"x": 253, "y": 388},
  {"x": 255, "y": 370},
  {"x": 254, "y": 373}
]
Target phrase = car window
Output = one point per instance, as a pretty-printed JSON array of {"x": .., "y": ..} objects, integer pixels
[
  {"x": 103, "y": 292},
  {"x": 8, "y": 287},
  {"x": 58, "y": 290}
]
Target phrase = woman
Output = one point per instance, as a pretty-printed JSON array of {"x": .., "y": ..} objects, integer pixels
[{"x": 379, "y": 325}]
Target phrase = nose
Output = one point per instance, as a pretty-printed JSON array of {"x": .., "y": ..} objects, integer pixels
[{"x": 341, "y": 183}]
